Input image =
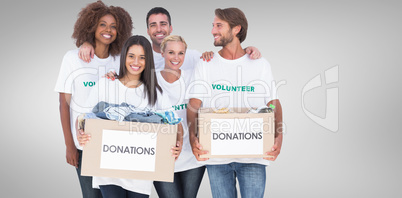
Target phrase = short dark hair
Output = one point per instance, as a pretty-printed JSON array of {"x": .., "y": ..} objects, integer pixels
[
  {"x": 158, "y": 10},
  {"x": 235, "y": 17},
  {"x": 148, "y": 76}
]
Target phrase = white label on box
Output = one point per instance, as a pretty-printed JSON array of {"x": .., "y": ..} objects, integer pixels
[
  {"x": 237, "y": 136},
  {"x": 123, "y": 150}
]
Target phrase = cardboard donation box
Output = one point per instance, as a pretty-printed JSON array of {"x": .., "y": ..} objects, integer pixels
[
  {"x": 129, "y": 150},
  {"x": 235, "y": 133}
]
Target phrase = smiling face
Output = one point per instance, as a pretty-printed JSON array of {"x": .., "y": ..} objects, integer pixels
[
  {"x": 174, "y": 54},
  {"x": 158, "y": 28},
  {"x": 222, "y": 32},
  {"x": 106, "y": 31},
  {"x": 135, "y": 62}
]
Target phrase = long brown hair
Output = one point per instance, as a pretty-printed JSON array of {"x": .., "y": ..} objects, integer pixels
[{"x": 148, "y": 76}]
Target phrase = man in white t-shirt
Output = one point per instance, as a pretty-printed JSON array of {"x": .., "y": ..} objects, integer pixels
[
  {"x": 232, "y": 79},
  {"x": 159, "y": 26}
]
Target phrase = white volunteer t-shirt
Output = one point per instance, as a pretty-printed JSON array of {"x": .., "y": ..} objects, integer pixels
[
  {"x": 176, "y": 92},
  {"x": 226, "y": 83},
  {"x": 78, "y": 78},
  {"x": 190, "y": 60},
  {"x": 115, "y": 92}
]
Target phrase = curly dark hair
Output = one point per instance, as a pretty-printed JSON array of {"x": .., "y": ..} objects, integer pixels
[{"x": 87, "y": 22}]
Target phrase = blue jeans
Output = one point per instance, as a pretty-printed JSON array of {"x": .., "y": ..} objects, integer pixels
[
  {"x": 113, "y": 191},
  {"x": 251, "y": 179},
  {"x": 185, "y": 185},
  {"x": 86, "y": 182}
]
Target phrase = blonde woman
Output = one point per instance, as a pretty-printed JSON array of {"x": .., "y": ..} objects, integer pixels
[{"x": 174, "y": 81}]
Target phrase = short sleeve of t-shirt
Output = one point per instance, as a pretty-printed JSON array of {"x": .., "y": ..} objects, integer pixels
[
  {"x": 64, "y": 82},
  {"x": 269, "y": 80},
  {"x": 198, "y": 85}
]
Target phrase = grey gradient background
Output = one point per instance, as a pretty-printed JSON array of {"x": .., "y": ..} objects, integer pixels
[{"x": 301, "y": 39}]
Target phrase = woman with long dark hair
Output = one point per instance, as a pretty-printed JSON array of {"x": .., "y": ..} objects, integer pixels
[{"x": 136, "y": 85}]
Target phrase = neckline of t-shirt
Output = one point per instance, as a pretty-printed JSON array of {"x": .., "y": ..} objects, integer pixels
[
  {"x": 121, "y": 84},
  {"x": 235, "y": 60},
  {"x": 96, "y": 58},
  {"x": 175, "y": 82}
]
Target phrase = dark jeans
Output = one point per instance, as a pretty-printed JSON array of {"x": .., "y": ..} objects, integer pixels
[
  {"x": 185, "y": 184},
  {"x": 113, "y": 191},
  {"x": 86, "y": 182}
]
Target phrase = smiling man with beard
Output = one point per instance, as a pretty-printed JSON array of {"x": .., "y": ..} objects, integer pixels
[{"x": 232, "y": 67}]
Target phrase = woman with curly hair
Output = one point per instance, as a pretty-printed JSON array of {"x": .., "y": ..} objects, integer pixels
[{"x": 106, "y": 28}]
